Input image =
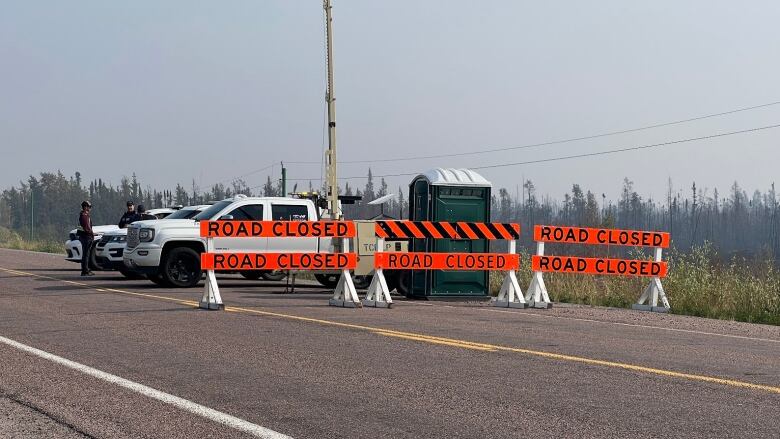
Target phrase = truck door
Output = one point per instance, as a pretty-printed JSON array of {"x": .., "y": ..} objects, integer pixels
[
  {"x": 291, "y": 211},
  {"x": 246, "y": 212}
]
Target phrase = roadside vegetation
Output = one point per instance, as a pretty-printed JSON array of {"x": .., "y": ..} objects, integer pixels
[
  {"x": 11, "y": 239},
  {"x": 700, "y": 283}
]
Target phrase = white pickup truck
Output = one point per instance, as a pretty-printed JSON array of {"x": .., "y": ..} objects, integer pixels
[{"x": 168, "y": 252}]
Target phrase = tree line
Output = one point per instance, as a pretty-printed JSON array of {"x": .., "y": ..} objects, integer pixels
[{"x": 46, "y": 207}]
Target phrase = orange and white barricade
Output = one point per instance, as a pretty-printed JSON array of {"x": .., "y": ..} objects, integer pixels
[
  {"x": 656, "y": 269},
  {"x": 510, "y": 295},
  {"x": 211, "y": 261}
]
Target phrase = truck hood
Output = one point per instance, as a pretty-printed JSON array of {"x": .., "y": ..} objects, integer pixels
[
  {"x": 117, "y": 232},
  {"x": 99, "y": 230},
  {"x": 165, "y": 223}
]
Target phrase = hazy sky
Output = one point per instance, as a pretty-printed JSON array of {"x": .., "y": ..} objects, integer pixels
[{"x": 176, "y": 90}]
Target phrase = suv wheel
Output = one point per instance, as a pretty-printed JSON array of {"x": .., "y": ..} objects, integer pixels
[
  {"x": 181, "y": 267},
  {"x": 92, "y": 258}
]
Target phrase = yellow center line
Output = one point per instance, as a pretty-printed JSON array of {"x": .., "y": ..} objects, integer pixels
[{"x": 412, "y": 336}]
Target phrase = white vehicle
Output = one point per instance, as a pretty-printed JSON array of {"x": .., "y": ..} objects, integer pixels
[
  {"x": 111, "y": 247},
  {"x": 168, "y": 252},
  {"x": 73, "y": 245}
]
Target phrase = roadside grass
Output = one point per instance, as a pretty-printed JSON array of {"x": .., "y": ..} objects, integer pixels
[
  {"x": 12, "y": 240},
  {"x": 699, "y": 284}
]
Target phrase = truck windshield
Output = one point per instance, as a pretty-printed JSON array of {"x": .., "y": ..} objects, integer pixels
[
  {"x": 212, "y": 210},
  {"x": 183, "y": 214}
]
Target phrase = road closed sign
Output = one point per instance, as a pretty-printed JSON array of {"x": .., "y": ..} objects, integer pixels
[
  {"x": 447, "y": 261},
  {"x": 603, "y": 266},
  {"x": 586, "y": 235},
  {"x": 278, "y": 261},
  {"x": 277, "y": 229}
]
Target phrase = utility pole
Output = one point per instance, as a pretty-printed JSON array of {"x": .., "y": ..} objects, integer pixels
[
  {"x": 32, "y": 213},
  {"x": 330, "y": 98},
  {"x": 284, "y": 181}
]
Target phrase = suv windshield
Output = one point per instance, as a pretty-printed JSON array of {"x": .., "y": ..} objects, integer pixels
[
  {"x": 183, "y": 214},
  {"x": 212, "y": 210}
]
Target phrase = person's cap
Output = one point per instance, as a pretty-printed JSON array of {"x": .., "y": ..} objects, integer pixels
[
  {"x": 141, "y": 209},
  {"x": 86, "y": 203},
  {"x": 130, "y": 203}
]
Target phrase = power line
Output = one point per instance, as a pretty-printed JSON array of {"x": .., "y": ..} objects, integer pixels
[
  {"x": 633, "y": 148},
  {"x": 526, "y": 146},
  {"x": 590, "y": 154},
  {"x": 558, "y": 142}
]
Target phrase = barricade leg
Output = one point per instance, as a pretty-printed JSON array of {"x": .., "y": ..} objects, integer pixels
[
  {"x": 211, "y": 298},
  {"x": 378, "y": 295},
  {"x": 648, "y": 301},
  {"x": 510, "y": 295},
  {"x": 537, "y": 296},
  {"x": 345, "y": 294}
]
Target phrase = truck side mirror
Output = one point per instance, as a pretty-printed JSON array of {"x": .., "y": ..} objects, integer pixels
[{"x": 226, "y": 218}]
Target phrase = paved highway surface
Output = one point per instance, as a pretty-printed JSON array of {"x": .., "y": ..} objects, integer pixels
[{"x": 109, "y": 358}]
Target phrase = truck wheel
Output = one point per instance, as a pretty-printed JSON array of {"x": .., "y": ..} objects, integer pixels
[
  {"x": 130, "y": 274},
  {"x": 404, "y": 286},
  {"x": 362, "y": 282},
  {"x": 158, "y": 280},
  {"x": 251, "y": 275},
  {"x": 328, "y": 280},
  {"x": 392, "y": 280},
  {"x": 181, "y": 267},
  {"x": 274, "y": 275}
]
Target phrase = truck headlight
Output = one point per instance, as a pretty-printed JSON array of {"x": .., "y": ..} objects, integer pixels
[
  {"x": 146, "y": 235},
  {"x": 120, "y": 239}
]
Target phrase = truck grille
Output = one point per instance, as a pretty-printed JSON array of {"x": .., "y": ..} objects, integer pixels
[{"x": 132, "y": 237}]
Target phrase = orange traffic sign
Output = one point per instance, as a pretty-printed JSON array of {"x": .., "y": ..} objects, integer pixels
[
  {"x": 605, "y": 266},
  {"x": 447, "y": 261},
  {"x": 277, "y": 229},
  {"x": 586, "y": 235},
  {"x": 278, "y": 261}
]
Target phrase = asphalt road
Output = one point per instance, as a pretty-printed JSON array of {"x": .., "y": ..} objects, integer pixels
[{"x": 288, "y": 363}]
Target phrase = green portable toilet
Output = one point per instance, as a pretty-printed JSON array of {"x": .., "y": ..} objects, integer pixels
[{"x": 447, "y": 194}]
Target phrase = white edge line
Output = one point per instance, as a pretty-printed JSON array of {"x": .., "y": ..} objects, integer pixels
[{"x": 181, "y": 403}]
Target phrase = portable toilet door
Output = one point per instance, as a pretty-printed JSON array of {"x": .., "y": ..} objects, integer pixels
[{"x": 450, "y": 195}]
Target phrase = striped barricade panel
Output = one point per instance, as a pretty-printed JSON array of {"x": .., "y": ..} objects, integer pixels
[{"x": 447, "y": 230}]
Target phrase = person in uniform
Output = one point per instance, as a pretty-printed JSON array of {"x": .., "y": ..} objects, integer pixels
[
  {"x": 86, "y": 236},
  {"x": 127, "y": 216},
  {"x": 141, "y": 215}
]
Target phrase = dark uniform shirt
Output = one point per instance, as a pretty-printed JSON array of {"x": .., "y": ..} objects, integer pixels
[
  {"x": 126, "y": 219},
  {"x": 142, "y": 217}
]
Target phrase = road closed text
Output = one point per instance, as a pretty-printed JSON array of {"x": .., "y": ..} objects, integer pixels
[
  {"x": 447, "y": 261},
  {"x": 585, "y": 235},
  {"x": 277, "y": 229},
  {"x": 278, "y": 261},
  {"x": 619, "y": 267}
]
